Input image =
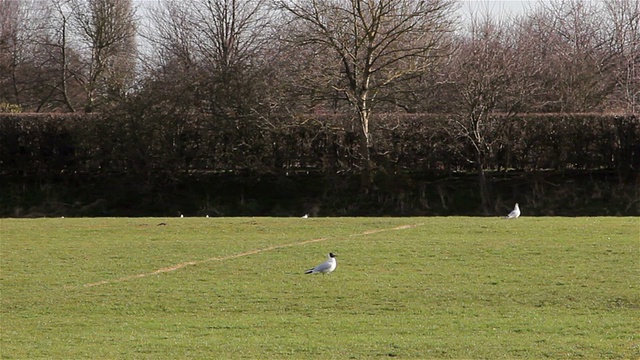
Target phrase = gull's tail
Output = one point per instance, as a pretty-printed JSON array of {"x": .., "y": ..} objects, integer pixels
[{"x": 310, "y": 271}]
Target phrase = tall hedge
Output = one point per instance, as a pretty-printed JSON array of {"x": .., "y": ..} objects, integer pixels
[
  {"x": 53, "y": 145},
  {"x": 146, "y": 164}
]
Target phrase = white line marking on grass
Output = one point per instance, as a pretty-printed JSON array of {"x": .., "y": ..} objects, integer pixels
[{"x": 246, "y": 253}]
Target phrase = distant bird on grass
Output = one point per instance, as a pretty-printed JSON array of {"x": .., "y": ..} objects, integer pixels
[
  {"x": 305, "y": 216},
  {"x": 324, "y": 268},
  {"x": 515, "y": 213}
]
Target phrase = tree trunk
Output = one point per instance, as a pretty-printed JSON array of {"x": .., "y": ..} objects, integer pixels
[
  {"x": 365, "y": 147},
  {"x": 64, "y": 67},
  {"x": 485, "y": 193}
]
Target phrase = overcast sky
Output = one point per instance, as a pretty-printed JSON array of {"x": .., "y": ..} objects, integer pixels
[{"x": 498, "y": 7}]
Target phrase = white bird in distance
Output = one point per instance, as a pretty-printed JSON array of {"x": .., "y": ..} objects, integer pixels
[
  {"x": 326, "y": 267},
  {"x": 515, "y": 213}
]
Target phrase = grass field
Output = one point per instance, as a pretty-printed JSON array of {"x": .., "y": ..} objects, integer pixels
[{"x": 220, "y": 288}]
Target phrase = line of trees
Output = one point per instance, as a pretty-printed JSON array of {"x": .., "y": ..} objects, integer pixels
[{"x": 232, "y": 58}]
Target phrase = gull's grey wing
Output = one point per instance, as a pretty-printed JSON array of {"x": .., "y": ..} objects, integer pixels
[{"x": 322, "y": 267}]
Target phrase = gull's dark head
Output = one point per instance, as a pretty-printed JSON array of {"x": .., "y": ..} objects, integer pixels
[{"x": 332, "y": 255}]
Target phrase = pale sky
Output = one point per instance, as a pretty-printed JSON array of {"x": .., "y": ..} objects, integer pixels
[{"x": 498, "y": 7}]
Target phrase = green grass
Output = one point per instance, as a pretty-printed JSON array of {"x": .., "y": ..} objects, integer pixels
[{"x": 447, "y": 288}]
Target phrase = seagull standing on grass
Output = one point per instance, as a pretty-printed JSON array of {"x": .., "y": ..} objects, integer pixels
[
  {"x": 324, "y": 268},
  {"x": 515, "y": 213}
]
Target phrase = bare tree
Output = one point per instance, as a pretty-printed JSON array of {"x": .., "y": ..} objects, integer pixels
[
  {"x": 570, "y": 40},
  {"x": 231, "y": 40},
  {"x": 622, "y": 23},
  {"x": 9, "y": 47},
  {"x": 492, "y": 78},
  {"x": 374, "y": 44},
  {"x": 107, "y": 29},
  {"x": 19, "y": 24},
  {"x": 220, "y": 43},
  {"x": 55, "y": 40},
  {"x": 28, "y": 71}
]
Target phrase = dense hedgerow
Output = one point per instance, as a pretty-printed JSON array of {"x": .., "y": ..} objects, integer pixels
[
  {"x": 80, "y": 165},
  {"x": 50, "y": 145}
]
